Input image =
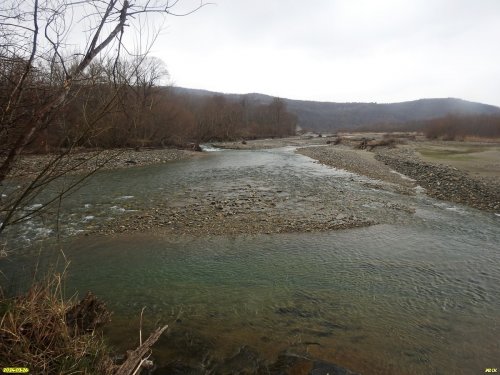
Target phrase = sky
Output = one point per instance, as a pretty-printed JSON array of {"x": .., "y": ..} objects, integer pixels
[{"x": 337, "y": 50}]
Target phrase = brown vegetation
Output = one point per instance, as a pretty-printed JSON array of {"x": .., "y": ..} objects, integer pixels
[
  {"x": 134, "y": 111},
  {"x": 50, "y": 335},
  {"x": 55, "y": 97},
  {"x": 460, "y": 127},
  {"x": 451, "y": 127}
]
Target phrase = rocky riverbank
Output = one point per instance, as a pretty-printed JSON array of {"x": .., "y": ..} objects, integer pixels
[
  {"x": 444, "y": 182},
  {"x": 360, "y": 162},
  {"x": 262, "y": 200},
  {"x": 84, "y": 161},
  {"x": 275, "y": 203},
  {"x": 440, "y": 181}
]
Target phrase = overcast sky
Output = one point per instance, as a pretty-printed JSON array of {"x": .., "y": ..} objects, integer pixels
[{"x": 338, "y": 50}]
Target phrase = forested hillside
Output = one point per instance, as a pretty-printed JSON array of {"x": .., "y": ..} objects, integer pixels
[{"x": 326, "y": 116}]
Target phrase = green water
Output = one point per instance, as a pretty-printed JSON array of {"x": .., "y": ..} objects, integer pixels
[{"x": 418, "y": 294}]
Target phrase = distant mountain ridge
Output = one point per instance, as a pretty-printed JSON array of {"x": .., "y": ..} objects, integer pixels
[{"x": 330, "y": 116}]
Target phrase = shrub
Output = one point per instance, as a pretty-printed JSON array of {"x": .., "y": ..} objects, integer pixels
[{"x": 51, "y": 335}]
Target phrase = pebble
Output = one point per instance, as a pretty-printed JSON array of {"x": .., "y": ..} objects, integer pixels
[
  {"x": 440, "y": 181},
  {"x": 443, "y": 182},
  {"x": 29, "y": 165}
]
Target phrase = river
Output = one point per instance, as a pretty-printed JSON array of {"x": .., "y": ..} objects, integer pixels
[{"x": 417, "y": 293}]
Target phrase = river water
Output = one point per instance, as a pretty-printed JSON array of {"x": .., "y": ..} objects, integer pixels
[{"x": 418, "y": 293}]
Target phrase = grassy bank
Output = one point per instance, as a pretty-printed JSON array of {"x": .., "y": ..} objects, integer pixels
[{"x": 49, "y": 334}]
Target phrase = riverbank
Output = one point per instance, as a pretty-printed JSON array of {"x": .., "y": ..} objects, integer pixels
[
  {"x": 268, "y": 143},
  {"x": 439, "y": 180},
  {"x": 362, "y": 163},
  {"x": 461, "y": 172},
  {"x": 262, "y": 201},
  {"x": 444, "y": 182},
  {"x": 87, "y": 161},
  {"x": 259, "y": 209}
]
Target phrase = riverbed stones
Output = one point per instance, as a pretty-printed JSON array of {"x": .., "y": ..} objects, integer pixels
[
  {"x": 247, "y": 361},
  {"x": 443, "y": 182},
  {"x": 360, "y": 162},
  {"x": 265, "y": 206},
  {"x": 85, "y": 161},
  {"x": 237, "y": 210},
  {"x": 439, "y": 181}
]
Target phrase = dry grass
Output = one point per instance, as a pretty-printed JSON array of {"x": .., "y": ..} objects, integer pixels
[{"x": 35, "y": 333}]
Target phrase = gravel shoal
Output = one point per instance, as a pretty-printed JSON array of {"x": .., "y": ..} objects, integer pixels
[
  {"x": 360, "y": 162},
  {"x": 440, "y": 181},
  {"x": 260, "y": 144},
  {"x": 444, "y": 182},
  {"x": 212, "y": 221},
  {"x": 87, "y": 161},
  {"x": 249, "y": 212}
]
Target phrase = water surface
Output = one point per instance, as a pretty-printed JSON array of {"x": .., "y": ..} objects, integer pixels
[{"x": 418, "y": 294}]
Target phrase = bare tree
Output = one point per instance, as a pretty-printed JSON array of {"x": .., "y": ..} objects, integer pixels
[
  {"x": 144, "y": 75},
  {"x": 44, "y": 80},
  {"x": 43, "y": 71}
]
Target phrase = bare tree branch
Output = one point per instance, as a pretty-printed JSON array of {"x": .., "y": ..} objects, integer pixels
[
  {"x": 16, "y": 93},
  {"x": 52, "y": 77}
]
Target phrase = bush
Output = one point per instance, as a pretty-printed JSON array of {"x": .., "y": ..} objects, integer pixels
[{"x": 50, "y": 335}]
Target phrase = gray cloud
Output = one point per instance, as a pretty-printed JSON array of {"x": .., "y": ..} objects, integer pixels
[{"x": 352, "y": 50}]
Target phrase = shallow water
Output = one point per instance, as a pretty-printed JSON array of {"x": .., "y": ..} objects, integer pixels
[
  {"x": 302, "y": 186},
  {"x": 418, "y": 294}
]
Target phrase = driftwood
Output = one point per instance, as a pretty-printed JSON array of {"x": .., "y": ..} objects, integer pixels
[{"x": 135, "y": 358}]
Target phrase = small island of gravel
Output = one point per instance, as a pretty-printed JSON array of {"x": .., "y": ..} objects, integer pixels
[{"x": 396, "y": 167}]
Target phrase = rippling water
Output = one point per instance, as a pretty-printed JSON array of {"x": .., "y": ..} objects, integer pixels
[{"x": 418, "y": 295}]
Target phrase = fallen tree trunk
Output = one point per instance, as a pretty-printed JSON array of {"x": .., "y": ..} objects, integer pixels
[{"x": 134, "y": 358}]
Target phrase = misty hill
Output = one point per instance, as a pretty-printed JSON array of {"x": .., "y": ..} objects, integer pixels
[
  {"x": 334, "y": 116},
  {"x": 328, "y": 116}
]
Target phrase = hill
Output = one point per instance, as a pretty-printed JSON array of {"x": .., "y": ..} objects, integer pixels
[{"x": 328, "y": 116}]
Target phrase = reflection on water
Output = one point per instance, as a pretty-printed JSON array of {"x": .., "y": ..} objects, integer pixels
[{"x": 418, "y": 297}]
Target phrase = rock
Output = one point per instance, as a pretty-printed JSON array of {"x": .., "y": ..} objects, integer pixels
[
  {"x": 444, "y": 182},
  {"x": 291, "y": 364},
  {"x": 288, "y": 363},
  {"x": 245, "y": 360},
  {"x": 325, "y": 368},
  {"x": 179, "y": 368},
  {"x": 295, "y": 312}
]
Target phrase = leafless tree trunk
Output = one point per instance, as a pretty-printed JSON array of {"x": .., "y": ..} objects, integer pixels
[{"x": 41, "y": 74}]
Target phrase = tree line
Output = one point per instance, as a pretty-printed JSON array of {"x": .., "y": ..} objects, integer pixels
[
  {"x": 453, "y": 127},
  {"x": 122, "y": 103},
  {"x": 450, "y": 127}
]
